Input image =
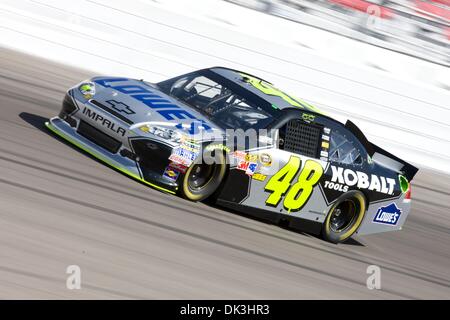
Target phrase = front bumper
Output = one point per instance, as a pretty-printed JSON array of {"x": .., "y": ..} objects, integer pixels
[{"x": 118, "y": 162}]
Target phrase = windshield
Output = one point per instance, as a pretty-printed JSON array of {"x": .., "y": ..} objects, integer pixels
[{"x": 218, "y": 102}]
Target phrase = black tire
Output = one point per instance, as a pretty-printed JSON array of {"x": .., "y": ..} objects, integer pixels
[
  {"x": 344, "y": 217},
  {"x": 201, "y": 180}
]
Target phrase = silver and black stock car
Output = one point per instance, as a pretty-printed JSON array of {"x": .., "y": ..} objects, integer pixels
[{"x": 236, "y": 140}]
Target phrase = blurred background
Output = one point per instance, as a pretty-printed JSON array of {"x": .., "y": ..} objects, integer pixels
[
  {"x": 415, "y": 27},
  {"x": 385, "y": 66}
]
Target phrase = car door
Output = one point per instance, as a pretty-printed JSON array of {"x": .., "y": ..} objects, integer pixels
[{"x": 286, "y": 175}]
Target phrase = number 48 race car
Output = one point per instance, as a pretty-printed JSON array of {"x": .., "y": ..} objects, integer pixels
[{"x": 236, "y": 140}]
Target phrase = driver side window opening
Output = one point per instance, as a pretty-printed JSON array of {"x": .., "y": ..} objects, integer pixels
[
  {"x": 218, "y": 102},
  {"x": 199, "y": 91}
]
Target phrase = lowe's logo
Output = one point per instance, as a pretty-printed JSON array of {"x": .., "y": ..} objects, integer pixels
[
  {"x": 149, "y": 97},
  {"x": 388, "y": 215}
]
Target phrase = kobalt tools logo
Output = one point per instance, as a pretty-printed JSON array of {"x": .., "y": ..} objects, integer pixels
[
  {"x": 104, "y": 122},
  {"x": 388, "y": 215},
  {"x": 342, "y": 179}
]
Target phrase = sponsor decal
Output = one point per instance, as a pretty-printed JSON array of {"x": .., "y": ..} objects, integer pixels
[
  {"x": 347, "y": 177},
  {"x": 248, "y": 167},
  {"x": 259, "y": 176},
  {"x": 178, "y": 167},
  {"x": 190, "y": 145},
  {"x": 308, "y": 117},
  {"x": 252, "y": 166},
  {"x": 217, "y": 146},
  {"x": 251, "y": 157},
  {"x": 327, "y": 130},
  {"x": 388, "y": 215},
  {"x": 151, "y": 98},
  {"x": 87, "y": 90},
  {"x": 243, "y": 165},
  {"x": 183, "y": 156},
  {"x": 180, "y": 160},
  {"x": 325, "y": 145},
  {"x": 171, "y": 174},
  {"x": 265, "y": 159},
  {"x": 336, "y": 186},
  {"x": 104, "y": 122},
  {"x": 242, "y": 156},
  {"x": 238, "y": 155}
]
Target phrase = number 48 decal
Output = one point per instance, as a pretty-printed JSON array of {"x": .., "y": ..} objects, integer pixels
[{"x": 297, "y": 194}]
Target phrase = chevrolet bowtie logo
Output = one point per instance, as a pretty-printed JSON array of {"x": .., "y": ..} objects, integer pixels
[{"x": 120, "y": 106}]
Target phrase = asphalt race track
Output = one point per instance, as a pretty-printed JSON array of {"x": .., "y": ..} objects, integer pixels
[{"x": 59, "y": 207}]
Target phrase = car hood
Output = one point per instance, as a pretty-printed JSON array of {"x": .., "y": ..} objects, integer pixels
[{"x": 143, "y": 103}]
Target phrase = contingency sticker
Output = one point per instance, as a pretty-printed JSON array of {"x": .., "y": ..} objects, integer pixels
[
  {"x": 185, "y": 154},
  {"x": 183, "y": 157},
  {"x": 171, "y": 173}
]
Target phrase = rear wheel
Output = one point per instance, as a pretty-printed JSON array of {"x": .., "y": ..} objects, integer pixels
[
  {"x": 344, "y": 217},
  {"x": 201, "y": 180}
]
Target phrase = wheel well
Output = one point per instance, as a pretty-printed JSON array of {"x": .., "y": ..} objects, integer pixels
[{"x": 337, "y": 236}]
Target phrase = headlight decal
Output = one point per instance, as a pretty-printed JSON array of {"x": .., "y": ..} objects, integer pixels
[{"x": 87, "y": 89}]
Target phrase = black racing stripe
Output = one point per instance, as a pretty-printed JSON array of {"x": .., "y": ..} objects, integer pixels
[{"x": 113, "y": 112}]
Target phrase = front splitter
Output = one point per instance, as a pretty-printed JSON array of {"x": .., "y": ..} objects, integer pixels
[{"x": 119, "y": 163}]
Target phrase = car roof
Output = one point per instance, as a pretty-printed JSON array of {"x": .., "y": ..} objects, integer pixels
[{"x": 264, "y": 89}]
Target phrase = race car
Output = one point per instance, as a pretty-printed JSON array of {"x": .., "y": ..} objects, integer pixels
[{"x": 231, "y": 138}]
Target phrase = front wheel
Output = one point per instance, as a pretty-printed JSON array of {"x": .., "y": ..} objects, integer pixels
[
  {"x": 344, "y": 217},
  {"x": 201, "y": 180}
]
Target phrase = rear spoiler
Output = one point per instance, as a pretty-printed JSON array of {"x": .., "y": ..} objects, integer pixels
[
  {"x": 389, "y": 160},
  {"x": 382, "y": 156}
]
